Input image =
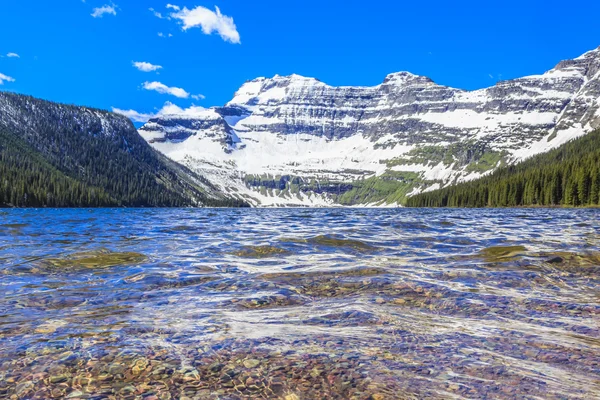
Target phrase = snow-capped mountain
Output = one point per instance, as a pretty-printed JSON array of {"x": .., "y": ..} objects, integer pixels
[{"x": 291, "y": 140}]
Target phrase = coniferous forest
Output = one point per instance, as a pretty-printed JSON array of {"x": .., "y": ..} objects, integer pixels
[
  {"x": 53, "y": 155},
  {"x": 567, "y": 176}
]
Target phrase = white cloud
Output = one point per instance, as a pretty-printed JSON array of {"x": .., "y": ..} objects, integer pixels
[
  {"x": 198, "y": 97},
  {"x": 5, "y": 78},
  {"x": 172, "y": 109},
  {"x": 105, "y": 9},
  {"x": 164, "y": 89},
  {"x": 146, "y": 66},
  {"x": 167, "y": 109},
  {"x": 133, "y": 115},
  {"x": 13, "y": 55},
  {"x": 174, "y": 7},
  {"x": 210, "y": 21}
]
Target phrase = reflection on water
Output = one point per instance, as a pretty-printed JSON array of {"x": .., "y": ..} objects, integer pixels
[{"x": 300, "y": 304}]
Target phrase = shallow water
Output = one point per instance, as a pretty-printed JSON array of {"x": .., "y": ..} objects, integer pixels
[{"x": 300, "y": 304}]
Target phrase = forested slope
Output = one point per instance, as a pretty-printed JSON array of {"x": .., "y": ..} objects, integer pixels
[
  {"x": 66, "y": 156},
  {"x": 566, "y": 176}
]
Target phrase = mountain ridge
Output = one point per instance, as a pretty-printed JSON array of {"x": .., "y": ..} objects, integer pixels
[{"x": 408, "y": 129}]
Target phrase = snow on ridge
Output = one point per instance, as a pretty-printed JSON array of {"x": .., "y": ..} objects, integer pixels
[
  {"x": 490, "y": 122},
  {"x": 265, "y": 90},
  {"x": 252, "y": 89},
  {"x": 404, "y": 78},
  {"x": 262, "y": 90},
  {"x": 193, "y": 112},
  {"x": 592, "y": 53},
  {"x": 545, "y": 145}
]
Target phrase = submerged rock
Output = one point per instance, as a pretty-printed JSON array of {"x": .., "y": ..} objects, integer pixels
[
  {"x": 260, "y": 252},
  {"x": 573, "y": 261},
  {"x": 94, "y": 260},
  {"x": 251, "y": 363},
  {"x": 502, "y": 253},
  {"x": 334, "y": 241}
]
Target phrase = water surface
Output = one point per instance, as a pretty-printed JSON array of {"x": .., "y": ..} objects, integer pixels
[{"x": 300, "y": 304}]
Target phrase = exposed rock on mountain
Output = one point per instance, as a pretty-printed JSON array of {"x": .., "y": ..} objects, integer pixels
[{"x": 298, "y": 141}]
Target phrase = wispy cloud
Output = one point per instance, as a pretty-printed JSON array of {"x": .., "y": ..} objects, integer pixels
[
  {"x": 5, "y": 78},
  {"x": 167, "y": 109},
  {"x": 198, "y": 97},
  {"x": 164, "y": 35},
  {"x": 99, "y": 12},
  {"x": 13, "y": 55},
  {"x": 134, "y": 115},
  {"x": 164, "y": 89},
  {"x": 156, "y": 13},
  {"x": 209, "y": 21},
  {"x": 173, "y": 7},
  {"x": 146, "y": 66}
]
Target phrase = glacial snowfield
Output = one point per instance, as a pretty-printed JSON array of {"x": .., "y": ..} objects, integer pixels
[{"x": 296, "y": 141}]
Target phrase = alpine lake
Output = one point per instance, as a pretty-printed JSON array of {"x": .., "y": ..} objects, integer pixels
[{"x": 298, "y": 304}]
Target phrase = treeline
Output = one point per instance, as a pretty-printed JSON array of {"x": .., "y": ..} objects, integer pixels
[
  {"x": 566, "y": 176},
  {"x": 54, "y": 155}
]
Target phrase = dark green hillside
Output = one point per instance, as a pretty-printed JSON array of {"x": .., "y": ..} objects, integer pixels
[
  {"x": 66, "y": 156},
  {"x": 566, "y": 176},
  {"x": 27, "y": 179}
]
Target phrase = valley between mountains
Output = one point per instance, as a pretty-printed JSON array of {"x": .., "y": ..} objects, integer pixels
[{"x": 296, "y": 141}]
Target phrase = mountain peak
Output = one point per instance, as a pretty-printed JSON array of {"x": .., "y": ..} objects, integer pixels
[
  {"x": 262, "y": 90},
  {"x": 595, "y": 53},
  {"x": 293, "y": 77},
  {"x": 404, "y": 78},
  {"x": 282, "y": 79},
  {"x": 586, "y": 65}
]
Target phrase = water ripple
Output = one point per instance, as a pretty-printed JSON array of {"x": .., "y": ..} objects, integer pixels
[{"x": 299, "y": 304}]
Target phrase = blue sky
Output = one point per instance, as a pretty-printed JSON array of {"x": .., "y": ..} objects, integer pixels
[{"x": 83, "y": 52}]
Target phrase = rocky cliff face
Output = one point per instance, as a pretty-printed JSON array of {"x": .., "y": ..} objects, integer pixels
[{"x": 298, "y": 141}]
